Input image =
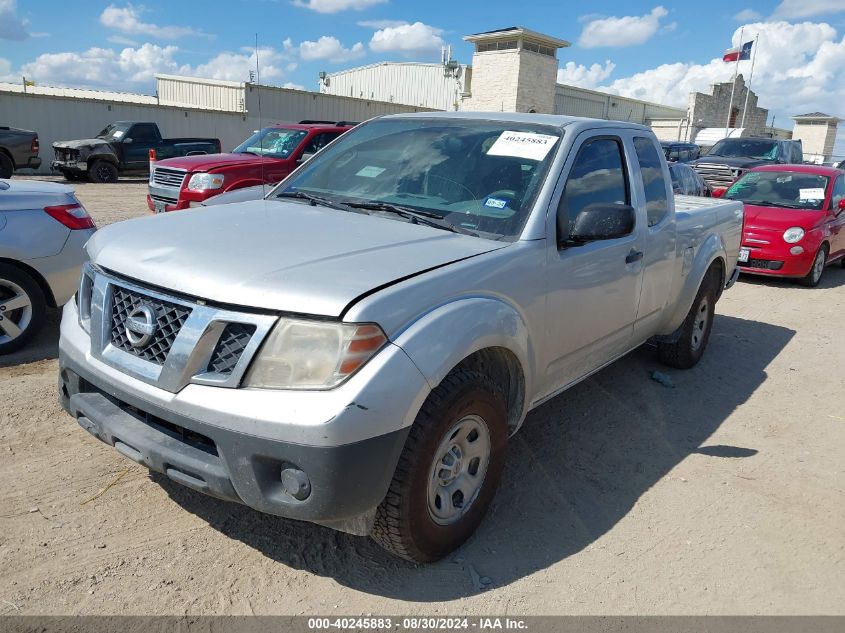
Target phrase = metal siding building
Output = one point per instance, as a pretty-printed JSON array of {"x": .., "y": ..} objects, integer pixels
[
  {"x": 410, "y": 83},
  {"x": 576, "y": 101},
  {"x": 227, "y": 96}
]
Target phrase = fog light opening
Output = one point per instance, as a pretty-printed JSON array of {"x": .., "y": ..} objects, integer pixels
[{"x": 296, "y": 483}]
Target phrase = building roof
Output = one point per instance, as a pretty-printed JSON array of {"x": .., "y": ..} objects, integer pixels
[
  {"x": 79, "y": 93},
  {"x": 380, "y": 64},
  {"x": 817, "y": 115},
  {"x": 201, "y": 80},
  {"x": 517, "y": 31}
]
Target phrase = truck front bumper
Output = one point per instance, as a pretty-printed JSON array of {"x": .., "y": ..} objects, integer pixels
[
  {"x": 264, "y": 464},
  {"x": 76, "y": 167}
]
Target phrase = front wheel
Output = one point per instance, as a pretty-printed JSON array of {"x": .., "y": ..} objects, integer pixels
[
  {"x": 688, "y": 349},
  {"x": 6, "y": 166},
  {"x": 815, "y": 275},
  {"x": 22, "y": 308},
  {"x": 102, "y": 171},
  {"x": 448, "y": 471}
]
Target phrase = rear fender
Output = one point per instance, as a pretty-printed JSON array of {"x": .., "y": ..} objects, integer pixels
[
  {"x": 710, "y": 251},
  {"x": 438, "y": 341}
]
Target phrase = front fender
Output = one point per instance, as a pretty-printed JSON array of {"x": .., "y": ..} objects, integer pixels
[
  {"x": 694, "y": 267},
  {"x": 442, "y": 338}
]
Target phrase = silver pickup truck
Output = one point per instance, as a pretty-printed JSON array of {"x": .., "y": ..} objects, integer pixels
[{"x": 356, "y": 349}]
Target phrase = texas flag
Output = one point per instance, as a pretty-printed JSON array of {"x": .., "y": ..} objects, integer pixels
[{"x": 737, "y": 53}]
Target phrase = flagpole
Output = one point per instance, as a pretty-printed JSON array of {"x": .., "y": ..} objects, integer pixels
[
  {"x": 733, "y": 87},
  {"x": 750, "y": 77}
]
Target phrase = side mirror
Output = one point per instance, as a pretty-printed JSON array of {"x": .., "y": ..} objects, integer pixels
[
  {"x": 601, "y": 221},
  {"x": 305, "y": 157},
  {"x": 840, "y": 207},
  {"x": 128, "y": 140},
  {"x": 718, "y": 192}
]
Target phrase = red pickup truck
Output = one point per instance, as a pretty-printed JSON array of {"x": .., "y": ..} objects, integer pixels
[{"x": 265, "y": 157}]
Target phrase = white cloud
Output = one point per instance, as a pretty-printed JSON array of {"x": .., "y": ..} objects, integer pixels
[
  {"x": 330, "y": 48},
  {"x": 407, "y": 38},
  {"x": 573, "y": 74},
  {"x": 747, "y": 15},
  {"x": 122, "y": 41},
  {"x": 128, "y": 20},
  {"x": 11, "y": 26},
  {"x": 798, "y": 69},
  {"x": 335, "y": 6},
  {"x": 237, "y": 66},
  {"x": 622, "y": 31},
  {"x": 789, "y": 9},
  {"x": 381, "y": 24},
  {"x": 6, "y": 73},
  {"x": 293, "y": 86}
]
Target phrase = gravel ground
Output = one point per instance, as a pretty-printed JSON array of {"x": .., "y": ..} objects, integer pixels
[{"x": 721, "y": 495}]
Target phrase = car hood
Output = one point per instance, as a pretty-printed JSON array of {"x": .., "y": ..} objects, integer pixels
[
  {"x": 762, "y": 218},
  {"x": 207, "y": 162},
  {"x": 82, "y": 142},
  {"x": 277, "y": 255},
  {"x": 731, "y": 161}
]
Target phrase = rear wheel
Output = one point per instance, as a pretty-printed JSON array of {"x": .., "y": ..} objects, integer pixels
[
  {"x": 6, "y": 166},
  {"x": 102, "y": 171},
  {"x": 448, "y": 471},
  {"x": 817, "y": 269},
  {"x": 688, "y": 349},
  {"x": 22, "y": 308}
]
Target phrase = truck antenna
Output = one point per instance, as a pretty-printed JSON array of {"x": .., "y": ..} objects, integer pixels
[{"x": 260, "y": 125}]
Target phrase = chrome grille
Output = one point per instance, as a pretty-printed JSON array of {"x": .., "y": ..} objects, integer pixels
[
  {"x": 163, "y": 199},
  {"x": 167, "y": 177},
  {"x": 716, "y": 175},
  {"x": 170, "y": 318},
  {"x": 229, "y": 348}
]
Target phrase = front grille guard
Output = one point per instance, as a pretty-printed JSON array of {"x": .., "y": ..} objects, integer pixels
[{"x": 189, "y": 357}]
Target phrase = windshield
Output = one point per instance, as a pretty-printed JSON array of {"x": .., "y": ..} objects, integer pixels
[
  {"x": 272, "y": 141},
  {"x": 481, "y": 176},
  {"x": 760, "y": 149},
  {"x": 114, "y": 131},
  {"x": 790, "y": 190}
]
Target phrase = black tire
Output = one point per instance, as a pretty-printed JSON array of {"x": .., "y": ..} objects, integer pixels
[
  {"x": 813, "y": 277},
  {"x": 12, "y": 281},
  {"x": 404, "y": 523},
  {"x": 688, "y": 349},
  {"x": 102, "y": 171},
  {"x": 6, "y": 166}
]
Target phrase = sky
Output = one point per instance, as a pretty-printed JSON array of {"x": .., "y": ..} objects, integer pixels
[{"x": 657, "y": 51}]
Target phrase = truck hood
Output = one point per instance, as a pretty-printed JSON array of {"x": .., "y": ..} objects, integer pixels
[
  {"x": 731, "y": 161},
  {"x": 763, "y": 218},
  {"x": 277, "y": 255},
  {"x": 83, "y": 142},
  {"x": 207, "y": 162}
]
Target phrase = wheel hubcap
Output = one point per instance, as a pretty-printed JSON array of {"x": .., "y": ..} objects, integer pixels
[
  {"x": 457, "y": 473},
  {"x": 818, "y": 266},
  {"x": 702, "y": 316},
  {"x": 15, "y": 311}
]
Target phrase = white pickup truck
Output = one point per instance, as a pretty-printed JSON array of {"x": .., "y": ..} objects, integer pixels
[{"x": 356, "y": 349}]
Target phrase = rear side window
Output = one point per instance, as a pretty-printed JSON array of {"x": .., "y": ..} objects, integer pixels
[
  {"x": 657, "y": 203},
  {"x": 144, "y": 132},
  {"x": 597, "y": 175}
]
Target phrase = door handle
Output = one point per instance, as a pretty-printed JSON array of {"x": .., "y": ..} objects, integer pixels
[{"x": 633, "y": 256}]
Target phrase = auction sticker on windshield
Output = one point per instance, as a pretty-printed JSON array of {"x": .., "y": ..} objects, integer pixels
[
  {"x": 523, "y": 145},
  {"x": 815, "y": 193}
]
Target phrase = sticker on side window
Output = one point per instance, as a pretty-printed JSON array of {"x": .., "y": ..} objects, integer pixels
[
  {"x": 523, "y": 145},
  {"x": 815, "y": 193},
  {"x": 370, "y": 171}
]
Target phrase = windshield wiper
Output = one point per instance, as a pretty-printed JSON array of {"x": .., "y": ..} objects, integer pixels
[
  {"x": 315, "y": 200},
  {"x": 416, "y": 216}
]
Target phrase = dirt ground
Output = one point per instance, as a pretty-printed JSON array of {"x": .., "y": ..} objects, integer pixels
[{"x": 721, "y": 495}]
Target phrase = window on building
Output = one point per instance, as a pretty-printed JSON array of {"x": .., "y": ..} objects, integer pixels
[
  {"x": 597, "y": 175},
  {"x": 657, "y": 203},
  {"x": 538, "y": 48},
  {"x": 733, "y": 117},
  {"x": 496, "y": 46}
]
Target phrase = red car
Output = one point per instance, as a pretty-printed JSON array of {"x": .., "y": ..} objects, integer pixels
[
  {"x": 794, "y": 220},
  {"x": 265, "y": 157}
]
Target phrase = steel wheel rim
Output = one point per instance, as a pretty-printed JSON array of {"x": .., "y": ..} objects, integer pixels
[
  {"x": 104, "y": 173},
  {"x": 699, "y": 326},
  {"x": 15, "y": 311},
  {"x": 818, "y": 266},
  {"x": 458, "y": 470}
]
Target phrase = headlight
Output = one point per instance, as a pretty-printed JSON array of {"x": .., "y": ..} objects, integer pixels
[
  {"x": 201, "y": 182},
  {"x": 300, "y": 354},
  {"x": 83, "y": 297},
  {"x": 792, "y": 235}
]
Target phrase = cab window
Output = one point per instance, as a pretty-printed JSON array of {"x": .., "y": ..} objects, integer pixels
[
  {"x": 654, "y": 184},
  {"x": 838, "y": 193}
]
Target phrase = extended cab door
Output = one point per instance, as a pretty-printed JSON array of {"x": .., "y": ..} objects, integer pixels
[
  {"x": 593, "y": 287},
  {"x": 136, "y": 145},
  {"x": 652, "y": 189},
  {"x": 837, "y": 225}
]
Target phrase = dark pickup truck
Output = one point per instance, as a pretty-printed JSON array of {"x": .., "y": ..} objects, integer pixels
[
  {"x": 18, "y": 150},
  {"x": 123, "y": 148},
  {"x": 730, "y": 158}
]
